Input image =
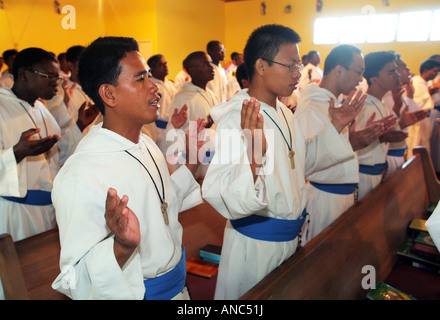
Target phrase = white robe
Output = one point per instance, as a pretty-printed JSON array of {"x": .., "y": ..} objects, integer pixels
[
  {"x": 6, "y": 79},
  {"x": 433, "y": 226},
  {"x": 32, "y": 173},
  {"x": 88, "y": 265},
  {"x": 219, "y": 83},
  {"x": 181, "y": 78},
  {"x": 167, "y": 92},
  {"x": 199, "y": 103},
  {"x": 324, "y": 207},
  {"x": 66, "y": 117},
  {"x": 310, "y": 74},
  {"x": 376, "y": 152},
  {"x": 422, "y": 130},
  {"x": 278, "y": 193},
  {"x": 435, "y": 137},
  {"x": 396, "y": 162}
]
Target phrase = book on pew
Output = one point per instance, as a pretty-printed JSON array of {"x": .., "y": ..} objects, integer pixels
[
  {"x": 424, "y": 246},
  {"x": 384, "y": 291},
  {"x": 417, "y": 260},
  {"x": 199, "y": 267},
  {"x": 211, "y": 253},
  {"x": 414, "y": 228}
]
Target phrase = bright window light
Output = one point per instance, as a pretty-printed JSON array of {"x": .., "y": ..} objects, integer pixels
[
  {"x": 378, "y": 28},
  {"x": 435, "y": 26},
  {"x": 326, "y": 31},
  {"x": 382, "y": 28},
  {"x": 353, "y": 29},
  {"x": 414, "y": 26}
]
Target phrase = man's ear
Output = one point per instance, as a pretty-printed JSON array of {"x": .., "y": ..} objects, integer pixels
[
  {"x": 21, "y": 74},
  {"x": 106, "y": 93},
  {"x": 259, "y": 67}
]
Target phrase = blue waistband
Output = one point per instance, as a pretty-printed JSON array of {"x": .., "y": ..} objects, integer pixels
[
  {"x": 373, "y": 170},
  {"x": 33, "y": 198},
  {"x": 162, "y": 124},
  {"x": 168, "y": 285},
  {"x": 346, "y": 188},
  {"x": 396, "y": 152},
  {"x": 437, "y": 108},
  {"x": 269, "y": 229}
]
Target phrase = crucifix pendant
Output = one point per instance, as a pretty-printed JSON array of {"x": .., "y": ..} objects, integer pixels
[
  {"x": 292, "y": 160},
  {"x": 164, "y": 207}
]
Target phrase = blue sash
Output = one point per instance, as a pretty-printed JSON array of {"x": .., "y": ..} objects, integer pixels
[
  {"x": 396, "y": 152},
  {"x": 437, "y": 108},
  {"x": 168, "y": 285},
  {"x": 373, "y": 170},
  {"x": 162, "y": 124},
  {"x": 33, "y": 198},
  {"x": 345, "y": 188},
  {"x": 269, "y": 229}
]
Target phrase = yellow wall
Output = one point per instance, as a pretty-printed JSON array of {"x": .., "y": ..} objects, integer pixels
[
  {"x": 178, "y": 27},
  {"x": 243, "y": 17},
  {"x": 26, "y": 23}
]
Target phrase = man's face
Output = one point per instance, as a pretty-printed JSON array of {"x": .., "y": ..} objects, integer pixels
[
  {"x": 432, "y": 73},
  {"x": 218, "y": 53},
  {"x": 352, "y": 76},
  {"x": 281, "y": 80},
  {"x": 405, "y": 73},
  {"x": 161, "y": 69},
  {"x": 202, "y": 70},
  {"x": 389, "y": 77},
  {"x": 135, "y": 94},
  {"x": 38, "y": 84}
]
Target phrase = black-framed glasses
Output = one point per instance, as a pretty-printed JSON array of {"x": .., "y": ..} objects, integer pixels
[
  {"x": 47, "y": 76},
  {"x": 292, "y": 67}
]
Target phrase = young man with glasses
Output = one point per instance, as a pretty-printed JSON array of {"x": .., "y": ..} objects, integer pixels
[
  {"x": 29, "y": 160},
  {"x": 257, "y": 176},
  {"x": 331, "y": 191}
]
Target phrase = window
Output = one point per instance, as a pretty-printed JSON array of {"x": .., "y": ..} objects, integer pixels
[{"x": 378, "y": 28}]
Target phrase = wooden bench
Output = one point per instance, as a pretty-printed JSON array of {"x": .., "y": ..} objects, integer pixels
[
  {"x": 28, "y": 267},
  {"x": 368, "y": 234}
]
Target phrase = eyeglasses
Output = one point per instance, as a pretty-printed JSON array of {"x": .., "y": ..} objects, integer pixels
[
  {"x": 292, "y": 67},
  {"x": 48, "y": 76}
]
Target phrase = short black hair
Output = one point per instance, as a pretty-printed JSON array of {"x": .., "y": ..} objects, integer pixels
[
  {"x": 429, "y": 64},
  {"x": 28, "y": 58},
  {"x": 74, "y": 53},
  {"x": 375, "y": 61},
  {"x": 311, "y": 54},
  {"x": 241, "y": 74},
  {"x": 341, "y": 55},
  {"x": 9, "y": 53},
  {"x": 153, "y": 60},
  {"x": 212, "y": 45},
  {"x": 264, "y": 42},
  {"x": 191, "y": 58},
  {"x": 100, "y": 64}
]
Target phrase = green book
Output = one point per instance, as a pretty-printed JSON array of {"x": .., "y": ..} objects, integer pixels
[{"x": 384, "y": 291}]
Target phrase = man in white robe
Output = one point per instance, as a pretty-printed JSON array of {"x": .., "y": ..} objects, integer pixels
[
  {"x": 196, "y": 97},
  {"x": 382, "y": 75},
  {"x": 311, "y": 73},
  {"x": 72, "y": 108},
  {"x": 423, "y": 97},
  {"x": 6, "y": 77},
  {"x": 331, "y": 191},
  {"x": 29, "y": 159},
  {"x": 399, "y": 102},
  {"x": 434, "y": 84},
  {"x": 218, "y": 84},
  {"x": 254, "y": 187},
  {"x": 116, "y": 204},
  {"x": 159, "y": 71}
]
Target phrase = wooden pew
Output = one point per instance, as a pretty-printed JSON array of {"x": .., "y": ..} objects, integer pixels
[
  {"x": 369, "y": 233},
  {"x": 28, "y": 267}
]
